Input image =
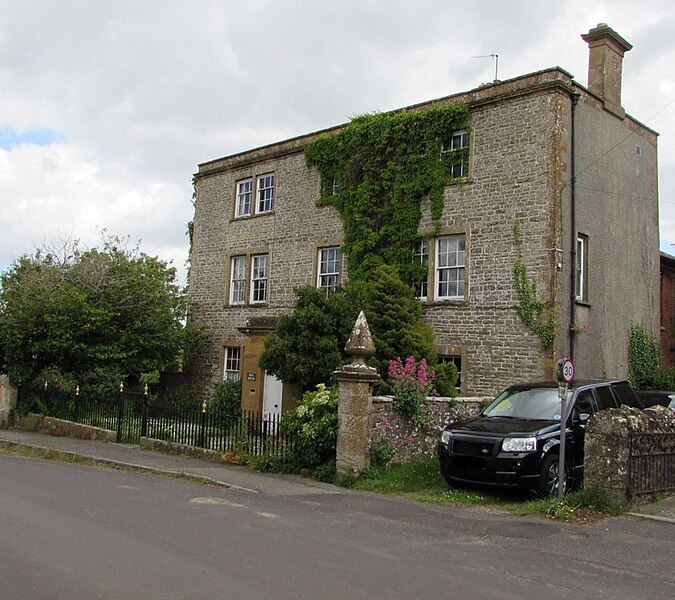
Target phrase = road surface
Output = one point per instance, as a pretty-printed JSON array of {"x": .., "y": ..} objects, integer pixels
[{"x": 75, "y": 532}]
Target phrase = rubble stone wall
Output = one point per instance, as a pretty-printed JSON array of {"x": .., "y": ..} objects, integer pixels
[
  {"x": 408, "y": 441},
  {"x": 607, "y": 450},
  {"x": 7, "y": 399}
]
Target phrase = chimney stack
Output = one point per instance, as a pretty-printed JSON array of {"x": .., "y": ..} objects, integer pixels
[{"x": 604, "y": 65}]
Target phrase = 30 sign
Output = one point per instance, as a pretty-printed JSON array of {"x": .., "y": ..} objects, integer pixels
[{"x": 565, "y": 370}]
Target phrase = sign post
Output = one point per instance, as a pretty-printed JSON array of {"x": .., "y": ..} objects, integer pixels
[{"x": 565, "y": 375}]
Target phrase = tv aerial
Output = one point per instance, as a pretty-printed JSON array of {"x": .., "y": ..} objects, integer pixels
[{"x": 494, "y": 56}]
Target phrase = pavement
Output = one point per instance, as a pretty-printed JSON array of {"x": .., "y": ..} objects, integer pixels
[
  {"x": 148, "y": 461},
  {"x": 231, "y": 476}
]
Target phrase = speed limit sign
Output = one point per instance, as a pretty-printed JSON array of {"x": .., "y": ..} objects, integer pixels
[{"x": 565, "y": 370}]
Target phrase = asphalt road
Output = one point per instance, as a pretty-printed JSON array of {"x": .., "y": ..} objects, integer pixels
[{"x": 74, "y": 532}]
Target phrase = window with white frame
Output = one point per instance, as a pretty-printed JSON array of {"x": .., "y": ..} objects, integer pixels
[
  {"x": 328, "y": 268},
  {"x": 330, "y": 186},
  {"x": 581, "y": 281},
  {"x": 238, "y": 280},
  {"x": 421, "y": 256},
  {"x": 232, "y": 367},
  {"x": 450, "y": 267},
  {"x": 244, "y": 198},
  {"x": 264, "y": 196},
  {"x": 259, "y": 278},
  {"x": 265, "y": 193},
  {"x": 458, "y": 144}
]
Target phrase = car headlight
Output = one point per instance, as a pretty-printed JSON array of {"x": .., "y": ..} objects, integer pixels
[
  {"x": 519, "y": 444},
  {"x": 445, "y": 437}
]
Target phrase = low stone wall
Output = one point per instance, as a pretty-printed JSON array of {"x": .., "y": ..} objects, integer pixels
[
  {"x": 191, "y": 451},
  {"x": 59, "y": 427},
  {"x": 408, "y": 441},
  {"x": 607, "y": 448}
]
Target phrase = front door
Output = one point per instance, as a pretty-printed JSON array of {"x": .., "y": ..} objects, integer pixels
[{"x": 272, "y": 393}]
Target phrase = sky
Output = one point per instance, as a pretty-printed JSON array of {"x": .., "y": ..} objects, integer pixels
[{"x": 108, "y": 106}]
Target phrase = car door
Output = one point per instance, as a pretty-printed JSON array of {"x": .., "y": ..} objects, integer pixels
[{"x": 585, "y": 405}]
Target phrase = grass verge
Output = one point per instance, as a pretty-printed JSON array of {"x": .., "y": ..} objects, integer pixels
[
  {"x": 422, "y": 481},
  {"x": 418, "y": 480},
  {"x": 44, "y": 453}
]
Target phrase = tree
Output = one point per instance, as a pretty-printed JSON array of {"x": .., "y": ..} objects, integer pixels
[
  {"x": 308, "y": 344},
  {"x": 395, "y": 320},
  {"x": 95, "y": 317}
]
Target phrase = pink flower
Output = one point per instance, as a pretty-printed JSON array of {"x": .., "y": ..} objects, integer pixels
[{"x": 410, "y": 375}]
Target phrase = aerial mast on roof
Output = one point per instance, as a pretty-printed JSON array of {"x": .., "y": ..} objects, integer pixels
[{"x": 496, "y": 58}]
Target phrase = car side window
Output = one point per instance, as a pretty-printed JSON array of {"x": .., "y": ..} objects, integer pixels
[
  {"x": 605, "y": 397},
  {"x": 585, "y": 404},
  {"x": 626, "y": 395}
]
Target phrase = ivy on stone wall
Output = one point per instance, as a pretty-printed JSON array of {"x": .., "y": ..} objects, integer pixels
[
  {"x": 644, "y": 359},
  {"x": 376, "y": 171},
  {"x": 537, "y": 315}
]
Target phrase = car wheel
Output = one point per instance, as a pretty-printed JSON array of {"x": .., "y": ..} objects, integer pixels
[{"x": 549, "y": 477}]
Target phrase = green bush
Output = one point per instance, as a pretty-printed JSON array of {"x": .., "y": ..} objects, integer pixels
[
  {"x": 445, "y": 381},
  {"x": 395, "y": 319},
  {"x": 182, "y": 395},
  {"x": 307, "y": 345},
  {"x": 325, "y": 472},
  {"x": 382, "y": 452},
  {"x": 312, "y": 427},
  {"x": 226, "y": 398},
  {"x": 272, "y": 462},
  {"x": 644, "y": 360}
]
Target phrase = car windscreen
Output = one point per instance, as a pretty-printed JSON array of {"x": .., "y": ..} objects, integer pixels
[{"x": 540, "y": 404}]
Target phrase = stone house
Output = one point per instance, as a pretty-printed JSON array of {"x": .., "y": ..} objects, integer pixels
[{"x": 562, "y": 161}]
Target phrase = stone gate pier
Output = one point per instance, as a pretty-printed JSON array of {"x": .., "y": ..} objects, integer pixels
[{"x": 355, "y": 382}]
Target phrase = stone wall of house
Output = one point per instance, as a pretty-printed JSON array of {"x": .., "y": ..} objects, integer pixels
[
  {"x": 616, "y": 207},
  {"x": 406, "y": 441},
  {"x": 520, "y": 166},
  {"x": 290, "y": 235},
  {"x": 513, "y": 180},
  {"x": 607, "y": 450},
  {"x": 516, "y": 166}
]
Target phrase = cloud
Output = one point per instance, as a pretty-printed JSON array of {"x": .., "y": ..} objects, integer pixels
[
  {"x": 56, "y": 193},
  {"x": 137, "y": 94}
]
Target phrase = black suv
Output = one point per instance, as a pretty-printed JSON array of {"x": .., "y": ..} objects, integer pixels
[{"x": 515, "y": 441}]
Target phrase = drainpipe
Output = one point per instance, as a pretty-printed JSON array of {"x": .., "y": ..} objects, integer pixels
[{"x": 573, "y": 226}]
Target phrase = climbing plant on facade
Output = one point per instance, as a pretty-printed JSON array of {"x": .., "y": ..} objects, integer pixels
[
  {"x": 377, "y": 170},
  {"x": 537, "y": 315},
  {"x": 644, "y": 359}
]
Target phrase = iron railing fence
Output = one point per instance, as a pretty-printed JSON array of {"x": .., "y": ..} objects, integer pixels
[
  {"x": 651, "y": 463},
  {"x": 251, "y": 432},
  {"x": 133, "y": 415}
]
